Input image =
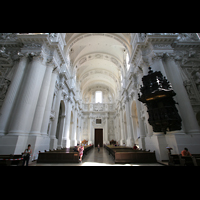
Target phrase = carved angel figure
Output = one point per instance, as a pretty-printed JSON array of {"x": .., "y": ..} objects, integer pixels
[
  {"x": 188, "y": 87},
  {"x": 4, "y": 89}
]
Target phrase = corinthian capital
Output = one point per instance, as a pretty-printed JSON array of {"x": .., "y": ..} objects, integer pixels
[
  {"x": 158, "y": 55},
  {"x": 170, "y": 55},
  {"x": 38, "y": 55}
]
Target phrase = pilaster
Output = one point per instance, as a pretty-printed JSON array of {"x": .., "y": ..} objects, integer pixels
[
  {"x": 66, "y": 139},
  {"x": 53, "y": 140},
  {"x": 90, "y": 128},
  {"x": 130, "y": 140},
  {"x": 122, "y": 139},
  {"x": 74, "y": 131}
]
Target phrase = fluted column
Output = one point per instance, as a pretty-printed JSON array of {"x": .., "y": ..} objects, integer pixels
[
  {"x": 157, "y": 64},
  {"x": 61, "y": 130},
  {"x": 53, "y": 140},
  {"x": 122, "y": 140},
  {"x": 49, "y": 100},
  {"x": 74, "y": 133},
  {"x": 145, "y": 69},
  {"x": 81, "y": 129},
  {"x": 130, "y": 140},
  {"x": 66, "y": 139},
  {"x": 41, "y": 104},
  {"x": 106, "y": 129},
  {"x": 26, "y": 105},
  {"x": 141, "y": 125},
  {"x": 12, "y": 92},
  {"x": 78, "y": 128},
  {"x": 91, "y": 133},
  {"x": 186, "y": 111},
  {"x": 149, "y": 127}
]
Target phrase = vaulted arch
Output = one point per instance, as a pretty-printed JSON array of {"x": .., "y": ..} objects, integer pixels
[{"x": 98, "y": 58}]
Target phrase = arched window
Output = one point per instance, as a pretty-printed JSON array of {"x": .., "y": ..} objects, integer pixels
[
  {"x": 98, "y": 97},
  {"x": 127, "y": 62},
  {"x": 121, "y": 81}
]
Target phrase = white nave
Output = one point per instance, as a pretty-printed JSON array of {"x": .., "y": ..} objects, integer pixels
[{"x": 49, "y": 84}]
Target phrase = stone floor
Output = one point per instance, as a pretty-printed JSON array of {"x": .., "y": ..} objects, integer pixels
[{"x": 93, "y": 158}]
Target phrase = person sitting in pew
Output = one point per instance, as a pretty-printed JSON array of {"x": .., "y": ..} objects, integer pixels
[
  {"x": 75, "y": 149},
  {"x": 135, "y": 147},
  {"x": 185, "y": 152}
]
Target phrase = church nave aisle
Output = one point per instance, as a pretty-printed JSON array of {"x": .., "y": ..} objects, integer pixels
[{"x": 93, "y": 158}]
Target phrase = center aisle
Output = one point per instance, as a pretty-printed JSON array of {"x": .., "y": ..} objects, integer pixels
[
  {"x": 93, "y": 158},
  {"x": 98, "y": 158}
]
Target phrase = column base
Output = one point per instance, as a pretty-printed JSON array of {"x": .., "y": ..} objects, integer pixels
[
  {"x": 53, "y": 143},
  {"x": 122, "y": 142},
  {"x": 13, "y": 144},
  {"x": 2, "y": 132},
  {"x": 130, "y": 142},
  {"x": 141, "y": 142},
  {"x": 38, "y": 143},
  {"x": 66, "y": 143},
  {"x": 73, "y": 142},
  {"x": 158, "y": 144}
]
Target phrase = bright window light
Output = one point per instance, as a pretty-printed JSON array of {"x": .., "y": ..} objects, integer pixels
[
  {"x": 127, "y": 61},
  {"x": 98, "y": 97}
]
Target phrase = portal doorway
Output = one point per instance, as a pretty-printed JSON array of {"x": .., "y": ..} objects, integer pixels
[{"x": 99, "y": 137}]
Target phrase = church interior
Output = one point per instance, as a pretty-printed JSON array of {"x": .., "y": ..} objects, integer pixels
[{"x": 58, "y": 90}]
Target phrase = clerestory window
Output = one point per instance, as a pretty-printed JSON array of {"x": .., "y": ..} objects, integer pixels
[
  {"x": 127, "y": 62},
  {"x": 98, "y": 97}
]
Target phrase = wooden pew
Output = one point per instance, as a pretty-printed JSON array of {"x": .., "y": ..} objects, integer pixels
[
  {"x": 129, "y": 155},
  {"x": 174, "y": 160},
  {"x": 187, "y": 161},
  {"x": 8, "y": 160},
  {"x": 58, "y": 157},
  {"x": 5, "y": 162},
  {"x": 135, "y": 157},
  {"x": 64, "y": 155},
  {"x": 193, "y": 160},
  {"x": 179, "y": 160}
]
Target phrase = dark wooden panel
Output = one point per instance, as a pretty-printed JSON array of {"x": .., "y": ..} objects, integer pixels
[{"x": 99, "y": 137}]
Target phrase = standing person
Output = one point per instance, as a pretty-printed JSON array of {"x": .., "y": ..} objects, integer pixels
[
  {"x": 81, "y": 149},
  {"x": 26, "y": 155},
  {"x": 98, "y": 148}
]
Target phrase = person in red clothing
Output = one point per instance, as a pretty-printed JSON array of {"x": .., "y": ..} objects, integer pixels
[
  {"x": 81, "y": 149},
  {"x": 185, "y": 152},
  {"x": 135, "y": 147}
]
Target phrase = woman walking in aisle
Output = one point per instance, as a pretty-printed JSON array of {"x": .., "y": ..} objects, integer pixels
[
  {"x": 81, "y": 149},
  {"x": 98, "y": 148}
]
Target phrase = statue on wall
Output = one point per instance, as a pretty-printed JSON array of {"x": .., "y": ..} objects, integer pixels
[{"x": 4, "y": 89}]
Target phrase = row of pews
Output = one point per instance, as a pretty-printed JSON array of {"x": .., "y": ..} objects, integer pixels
[
  {"x": 179, "y": 160},
  {"x": 128, "y": 155},
  {"x": 64, "y": 155},
  {"x": 9, "y": 160}
]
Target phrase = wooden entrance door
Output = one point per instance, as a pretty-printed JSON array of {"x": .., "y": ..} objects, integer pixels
[{"x": 99, "y": 137}]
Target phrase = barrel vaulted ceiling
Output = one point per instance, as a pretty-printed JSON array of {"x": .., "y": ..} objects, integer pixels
[{"x": 98, "y": 58}]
